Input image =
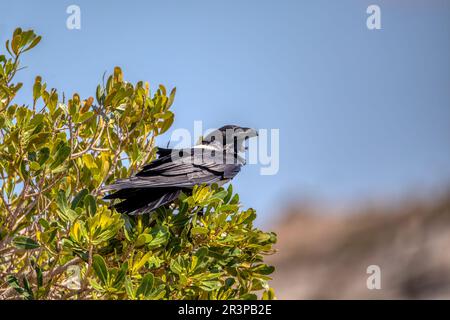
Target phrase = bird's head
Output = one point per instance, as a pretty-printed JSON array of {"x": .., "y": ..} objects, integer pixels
[{"x": 230, "y": 137}]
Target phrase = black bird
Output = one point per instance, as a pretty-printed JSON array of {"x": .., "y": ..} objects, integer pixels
[{"x": 215, "y": 160}]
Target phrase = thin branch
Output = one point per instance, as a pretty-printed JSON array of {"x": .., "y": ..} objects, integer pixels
[
  {"x": 11, "y": 292},
  {"x": 89, "y": 147}
]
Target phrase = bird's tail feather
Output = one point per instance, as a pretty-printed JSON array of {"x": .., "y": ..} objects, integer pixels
[
  {"x": 137, "y": 201},
  {"x": 119, "y": 184}
]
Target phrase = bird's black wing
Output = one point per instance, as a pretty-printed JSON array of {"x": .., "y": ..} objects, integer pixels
[
  {"x": 184, "y": 172},
  {"x": 162, "y": 180}
]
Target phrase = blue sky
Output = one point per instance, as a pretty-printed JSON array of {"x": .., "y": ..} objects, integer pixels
[{"x": 362, "y": 113}]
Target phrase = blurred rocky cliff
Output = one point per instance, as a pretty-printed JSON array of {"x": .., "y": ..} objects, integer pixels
[{"x": 324, "y": 255}]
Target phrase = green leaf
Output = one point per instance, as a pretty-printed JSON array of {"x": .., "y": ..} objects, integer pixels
[
  {"x": 235, "y": 199},
  {"x": 143, "y": 239},
  {"x": 229, "y": 194},
  {"x": 43, "y": 156},
  {"x": 210, "y": 285},
  {"x": 139, "y": 264},
  {"x": 129, "y": 288},
  {"x": 264, "y": 269},
  {"x": 95, "y": 285},
  {"x": 39, "y": 276},
  {"x": 220, "y": 195},
  {"x": 25, "y": 243},
  {"x": 163, "y": 89},
  {"x": 23, "y": 172},
  {"x": 14, "y": 283},
  {"x": 61, "y": 155},
  {"x": 28, "y": 293},
  {"x": 166, "y": 124},
  {"x": 78, "y": 198},
  {"x": 85, "y": 116},
  {"x": 65, "y": 213},
  {"x": 229, "y": 208},
  {"x": 35, "y": 121},
  {"x": 160, "y": 237},
  {"x": 90, "y": 205},
  {"x": 120, "y": 277},
  {"x": 171, "y": 97},
  {"x": 34, "y": 166},
  {"x": 37, "y": 88},
  {"x": 146, "y": 285},
  {"x": 201, "y": 253},
  {"x": 199, "y": 230},
  {"x": 99, "y": 265},
  {"x": 268, "y": 294},
  {"x": 249, "y": 296},
  {"x": 176, "y": 267},
  {"x": 33, "y": 43}
]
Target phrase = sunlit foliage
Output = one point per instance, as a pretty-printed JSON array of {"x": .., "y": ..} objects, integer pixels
[{"x": 60, "y": 240}]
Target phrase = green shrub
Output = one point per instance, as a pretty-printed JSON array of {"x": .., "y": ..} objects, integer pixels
[{"x": 60, "y": 240}]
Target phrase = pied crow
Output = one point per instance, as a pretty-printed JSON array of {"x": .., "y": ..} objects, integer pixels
[{"x": 215, "y": 160}]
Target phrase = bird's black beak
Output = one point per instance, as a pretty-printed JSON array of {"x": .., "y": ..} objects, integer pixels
[
  {"x": 243, "y": 134},
  {"x": 247, "y": 133}
]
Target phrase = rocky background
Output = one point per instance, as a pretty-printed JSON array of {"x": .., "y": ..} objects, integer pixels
[{"x": 324, "y": 254}]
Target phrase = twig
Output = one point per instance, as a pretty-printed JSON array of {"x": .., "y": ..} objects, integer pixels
[
  {"x": 89, "y": 147},
  {"x": 10, "y": 292}
]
